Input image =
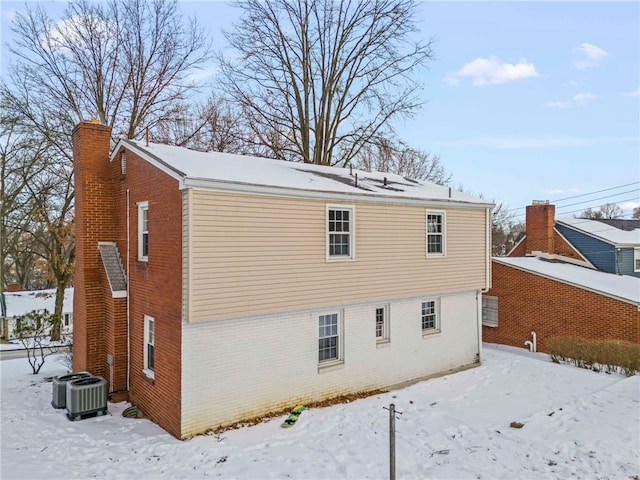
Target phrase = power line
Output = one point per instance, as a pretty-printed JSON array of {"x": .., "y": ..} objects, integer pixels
[{"x": 584, "y": 195}]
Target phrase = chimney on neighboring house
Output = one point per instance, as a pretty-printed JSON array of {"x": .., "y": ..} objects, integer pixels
[
  {"x": 540, "y": 220},
  {"x": 93, "y": 223}
]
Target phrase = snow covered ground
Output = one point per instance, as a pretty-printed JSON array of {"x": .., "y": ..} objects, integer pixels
[{"x": 577, "y": 424}]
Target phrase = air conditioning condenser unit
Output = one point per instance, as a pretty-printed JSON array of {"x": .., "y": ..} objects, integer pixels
[
  {"x": 86, "y": 396},
  {"x": 60, "y": 388}
]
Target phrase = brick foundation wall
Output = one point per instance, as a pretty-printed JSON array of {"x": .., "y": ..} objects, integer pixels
[
  {"x": 155, "y": 286},
  {"x": 529, "y": 302}
]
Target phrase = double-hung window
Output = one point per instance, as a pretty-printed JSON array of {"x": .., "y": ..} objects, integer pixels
[
  {"x": 149, "y": 345},
  {"x": 340, "y": 232},
  {"x": 382, "y": 324},
  {"x": 436, "y": 233},
  {"x": 430, "y": 316},
  {"x": 329, "y": 337},
  {"x": 143, "y": 231},
  {"x": 636, "y": 259}
]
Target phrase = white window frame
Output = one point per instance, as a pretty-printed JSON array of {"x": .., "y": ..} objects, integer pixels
[
  {"x": 489, "y": 311},
  {"x": 352, "y": 233},
  {"x": 338, "y": 335},
  {"x": 436, "y": 312},
  {"x": 67, "y": 319},
  {"x": 442, "y": 234},
  {"x": 382, "y": 334},
  {"x": 143, "y": 207},
  {"x": 636, "y": 259},
  {"x": 149, "y": 340}
]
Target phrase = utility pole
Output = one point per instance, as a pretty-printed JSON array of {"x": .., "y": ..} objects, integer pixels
[{"x": 392, "y": 440}]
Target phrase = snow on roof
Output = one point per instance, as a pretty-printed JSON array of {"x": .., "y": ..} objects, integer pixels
[
  {"x": 192, "y": 167},
  {"x": 625, "y": 287},
  {"x": 608, "y": 233},
  {"x": 21, "y": 303}
]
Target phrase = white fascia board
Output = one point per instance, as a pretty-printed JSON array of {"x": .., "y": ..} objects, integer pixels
[
  {"x": 249, "y": 189},
  {"x": 589, "y": 234}
]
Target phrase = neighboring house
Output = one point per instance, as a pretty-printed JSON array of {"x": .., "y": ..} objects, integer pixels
[
  {"x": 550, "y": 284},
  {"x": 24, "y": 302},
  {"x": 608, "y": 245},
  {"x": 611, "y": 246},
  {"x": 213, "y": 288}
]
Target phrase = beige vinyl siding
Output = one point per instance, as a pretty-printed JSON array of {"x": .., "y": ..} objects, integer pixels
[{"x": 253, "y": 255}]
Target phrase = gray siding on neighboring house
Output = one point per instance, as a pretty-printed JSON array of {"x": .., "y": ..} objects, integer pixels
[
  {"x": 601, "y": 254},
  {"x": 625, "y": 262}
]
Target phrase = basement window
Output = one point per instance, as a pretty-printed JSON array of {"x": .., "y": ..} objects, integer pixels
[{"x": 489, "y": 311}]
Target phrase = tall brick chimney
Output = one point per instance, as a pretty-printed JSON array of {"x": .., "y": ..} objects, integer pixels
[
  {"x": 93, "y": 223},
  {"x": 540, "y": 219}
]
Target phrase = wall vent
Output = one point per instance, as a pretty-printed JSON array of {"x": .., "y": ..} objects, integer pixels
[{"x": 86, "y": 396}]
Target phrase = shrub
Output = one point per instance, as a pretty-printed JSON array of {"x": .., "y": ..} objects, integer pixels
[{"x": 612, "y": 356}]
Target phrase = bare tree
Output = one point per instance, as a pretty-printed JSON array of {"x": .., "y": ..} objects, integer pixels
[
  {"x": 320, "y": 79},
  {"x": 32, "y": 330},
  {"x": 125, "y": 62},
  {"x": 398, "y": 157},
  {"x": 606, "y": 211}
]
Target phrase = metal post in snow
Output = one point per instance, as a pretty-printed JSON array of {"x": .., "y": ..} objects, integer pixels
[{"x": 392, "y": 442}]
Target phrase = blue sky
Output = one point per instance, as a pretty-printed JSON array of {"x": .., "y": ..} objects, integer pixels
[{"x": 525, "y": 100}]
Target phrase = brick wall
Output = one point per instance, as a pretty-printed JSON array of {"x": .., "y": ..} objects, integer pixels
[
  {"x": 155, "y": 287},
  {"x": 269, "y": 363},
  {"x": 529, "y": 302},
  {"x": 93, "y": 223}
]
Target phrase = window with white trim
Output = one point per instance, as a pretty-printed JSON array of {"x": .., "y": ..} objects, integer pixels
[
  {"x": 340, "y": 232},
  {"x": 489, "y": 311},
  {"x": 430, "y": 316},
  {"x": 382, "y": 323},
  {"x": 68, "y": 319},
  {"x": 149, "y": 345},
  {"x": 329, "y": 337},
  {"x": 143, "y": 231},
  {"x": 636, "y": 259},
  {"x": 436, "y": 233}
]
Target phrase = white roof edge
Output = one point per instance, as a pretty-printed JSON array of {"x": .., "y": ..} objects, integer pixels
[
  {"x": 567, "y": 282},
  {"x": 248, "y": 188},
  {"x": 572, "y": 227}
]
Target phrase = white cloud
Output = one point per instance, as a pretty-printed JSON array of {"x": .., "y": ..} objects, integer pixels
[
  {"x": 558, "y": 104},
  {"x": 582, "y": 98},
  {"x": 578, "y": 99},
  {"x": 588, "y": 56},
  {"x": 487, "y": 71},
  {"x": 634, "y": 93}
]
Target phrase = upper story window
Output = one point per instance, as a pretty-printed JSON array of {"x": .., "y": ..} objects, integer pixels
[
  {"x": 436, "y": 233},
  {"x": 143, "y": 231},
  {"x": 636, "y": 259},
  {"x": 340, "y": 232}
]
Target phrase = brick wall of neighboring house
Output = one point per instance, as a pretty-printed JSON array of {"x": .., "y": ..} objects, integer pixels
[
  {"x": 528, "y": 302},
  {"x": 155, "y": 287},
  {"x": 564, "y": 248}
]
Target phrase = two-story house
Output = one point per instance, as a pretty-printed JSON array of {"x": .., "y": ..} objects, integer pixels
[{"x": 212, "y": 288}]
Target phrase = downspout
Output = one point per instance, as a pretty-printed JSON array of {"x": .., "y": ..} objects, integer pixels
[
  {"x": 487, "y": 279},
  {"x": 128, "y": 288}
]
